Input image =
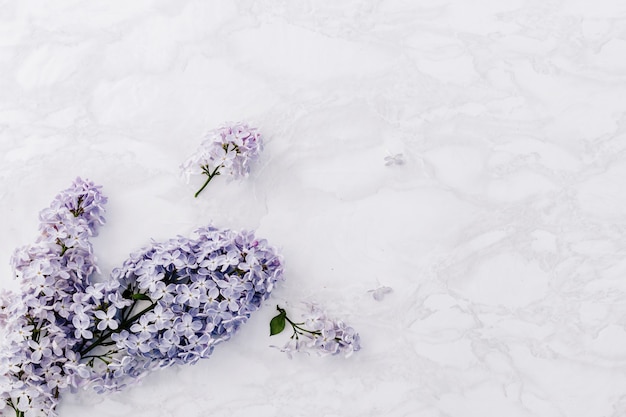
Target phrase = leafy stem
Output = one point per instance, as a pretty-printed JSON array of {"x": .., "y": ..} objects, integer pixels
[{"x": 278, "y": 323}]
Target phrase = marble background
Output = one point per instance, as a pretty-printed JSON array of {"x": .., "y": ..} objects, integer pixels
[{"x": 502, "y": 233}]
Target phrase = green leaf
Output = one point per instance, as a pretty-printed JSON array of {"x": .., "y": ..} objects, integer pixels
[
  {"x": 141, "y": 297},
  {"x": 277, "y": 324}
]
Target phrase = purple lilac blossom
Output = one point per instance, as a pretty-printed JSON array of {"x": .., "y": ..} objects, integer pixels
[
  {"x": 169, "y": 303},
  {"x": 187, "y": 295},
  {"x": 36, "y": 357},
  {"x": 229, "y": 150},
  {"x": 322, "y": 335}
]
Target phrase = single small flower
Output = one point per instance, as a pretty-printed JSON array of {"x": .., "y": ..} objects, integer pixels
[
  {"x": 107, "y": 319},
  {"x": 82, "y": 327},
  {"x": 187, "y": 326},
  {"x": 144, "y": 328},
  {"x": 39, "y": 349},
  {"x": 160, "y": 316}
]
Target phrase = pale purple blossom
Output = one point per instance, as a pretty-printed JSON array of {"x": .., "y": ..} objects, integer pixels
[
  {"x": 229, "y": 150},
  {"x": 320, "y": 334},
  {"x": 52, "y": 314},
  {"x": 39, "y": 349},
  {"x": 192, "y": 308},
  {"x": 170, "y": 303},
  {"x": 107, "y": 319},
  {"x": 161, "y": 317},
  {"x": 143, "y": 328},
  {"x": 82, "y": 326}
]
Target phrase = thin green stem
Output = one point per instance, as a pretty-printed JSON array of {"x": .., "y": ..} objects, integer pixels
[
  {"x": 10, "y": 404},
  {"x": 130, "y": 310},
  {"x": 296, "y": 326},
  {"x": 136, "y": 316},
  {"x": 297, "y": 329},
  {"x": 210, "y": 177},
  {"x": 101, "y": 357}
]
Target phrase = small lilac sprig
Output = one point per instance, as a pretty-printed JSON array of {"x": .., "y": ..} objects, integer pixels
[
  {"x": 228, "y": 150},
  {"x": 322, "y": 334}
]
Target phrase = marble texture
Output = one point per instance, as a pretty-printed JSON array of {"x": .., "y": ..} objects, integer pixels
[{"x": 502, "y": 235}]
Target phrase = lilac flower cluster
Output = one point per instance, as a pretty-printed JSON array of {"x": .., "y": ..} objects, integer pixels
[
  {"x": 169, "y": 303},
  {"x": 228, "y": 150},
  {"x": 175, "y": 301},
  {"x": 39, "y": 356},
  {"x": 322, "y": 334}
]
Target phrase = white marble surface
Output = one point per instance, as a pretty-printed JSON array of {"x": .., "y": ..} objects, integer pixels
[{"x": 503, "y": 235}]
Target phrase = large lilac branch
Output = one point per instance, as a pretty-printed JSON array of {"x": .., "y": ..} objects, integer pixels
[
  {"x": 51, "y": 272},
  {"x": 170, "y": 303}
]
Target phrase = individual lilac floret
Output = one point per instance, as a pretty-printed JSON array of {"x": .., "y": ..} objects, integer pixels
[
  {"x": 38, "y": 359},
  {"x": 322, "y": 334},
  {"x": 228, "y": 150}
]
